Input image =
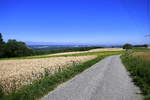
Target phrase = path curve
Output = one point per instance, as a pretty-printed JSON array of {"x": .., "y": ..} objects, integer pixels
[{"x": 106, "y": 80}]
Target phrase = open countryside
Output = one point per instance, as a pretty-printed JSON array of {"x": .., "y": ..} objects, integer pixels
[{"x": 75, "y": 50}]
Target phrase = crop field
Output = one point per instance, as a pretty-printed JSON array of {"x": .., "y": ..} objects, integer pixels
[
  {"x": 93, "y": 50},
  {"x": 31, "y": 73},
  {"x": 16, "y": 73},
  {"x": 102, "y": 51},
  {"x": 143, "y": 55},
  {"x": 96, "y": 53}
]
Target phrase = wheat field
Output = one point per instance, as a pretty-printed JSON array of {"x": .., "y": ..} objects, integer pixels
[
  {"x": 144, "y": 55},
  {"x": 14, "y": 74}
]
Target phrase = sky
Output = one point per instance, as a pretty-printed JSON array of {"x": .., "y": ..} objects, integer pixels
[{"x": 76, "y": 21}]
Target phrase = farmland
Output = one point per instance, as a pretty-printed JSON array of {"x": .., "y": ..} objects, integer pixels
[
  {"x": 143, "y": 55},
  {"x": 93, "y": 50},
  {"x": 19, "y": 75},
  {"x": 102, "y": 51}
]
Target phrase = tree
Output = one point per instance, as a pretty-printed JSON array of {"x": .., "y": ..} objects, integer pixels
[
  {"x": 1, "y": 38},
  {"x": 14, "y": 48},
  {"x": 1, "y": 45},
  {"x": 127, "y": 46},
  {"x": 145, "y": 45}
]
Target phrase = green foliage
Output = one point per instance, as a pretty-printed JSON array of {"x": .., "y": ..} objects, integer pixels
[
  {"x": 13, "y": 48},
  {"x": 140, "y": 71},
  {"x": 127, "y": 46},
  {"x": 2, "y": 50},
  {"x": 49, "y": 82},
  {"x": 1, "y": 39},
  {"x": 1, "y": 46},
  {"x": 147, "y": 97}
]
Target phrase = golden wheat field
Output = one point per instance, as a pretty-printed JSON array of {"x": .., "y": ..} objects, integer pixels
[
  {"x": 144, "y": 55},
  {"x": 16, "y": 73}
]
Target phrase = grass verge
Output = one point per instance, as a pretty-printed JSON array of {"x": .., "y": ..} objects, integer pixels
[
  {"x": 41, "y": 87},
  {"x": 140, "y": 72}
]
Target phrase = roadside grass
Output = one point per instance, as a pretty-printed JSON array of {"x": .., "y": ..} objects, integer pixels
[
  {"x": 78, "y": 54},
  {"x": 140, "y": 72},
  {"x": 41, "y": 87}
]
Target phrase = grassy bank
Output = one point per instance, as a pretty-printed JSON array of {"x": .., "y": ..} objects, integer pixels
[
  {"x": 140, "y": 71},
  {"x": 40, "y": 87}
]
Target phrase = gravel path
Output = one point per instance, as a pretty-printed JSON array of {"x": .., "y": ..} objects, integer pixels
[{"x": 106, "y": 80}]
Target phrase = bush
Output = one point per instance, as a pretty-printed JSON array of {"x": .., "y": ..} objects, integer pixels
[{"x": 127, "y": 46}]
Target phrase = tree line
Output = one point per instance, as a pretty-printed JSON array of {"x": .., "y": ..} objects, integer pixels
[
  {"x": 43, "y": 51},
  {"x": 130, "y": 46}
]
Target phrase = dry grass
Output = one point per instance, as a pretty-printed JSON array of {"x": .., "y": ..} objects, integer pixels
[
  {"x": 143, "y": 55},
  {"x": 16, "y": 73}
]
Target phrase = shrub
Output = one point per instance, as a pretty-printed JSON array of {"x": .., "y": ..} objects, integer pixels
[{"x": 127, "y": 46}]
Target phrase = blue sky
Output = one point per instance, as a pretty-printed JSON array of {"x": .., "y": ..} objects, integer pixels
[{"x": 76, "y": 21}]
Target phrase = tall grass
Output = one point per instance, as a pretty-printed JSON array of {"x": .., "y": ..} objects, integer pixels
[{"x": 140, "y": 71}]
